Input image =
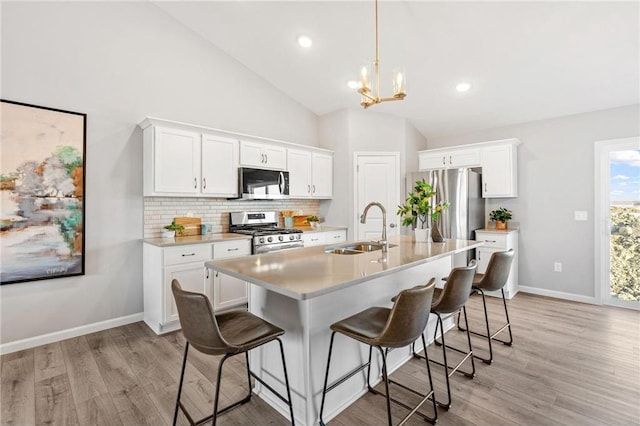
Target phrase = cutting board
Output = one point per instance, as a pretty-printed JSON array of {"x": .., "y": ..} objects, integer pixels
[
  {"x": 191, "y": 225},
  {"x": 301, "y": 221}
]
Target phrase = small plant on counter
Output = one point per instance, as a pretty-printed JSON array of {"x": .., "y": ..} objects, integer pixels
[
  {"x": 313, "y": 221},
  {"x": 174, "y": 228},
  {"x": 501, "y": 216},
  {"x": 417, "y": 208}
]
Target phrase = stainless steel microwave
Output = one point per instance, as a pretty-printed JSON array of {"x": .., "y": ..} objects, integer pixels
[{"x": 261, "y": 184}]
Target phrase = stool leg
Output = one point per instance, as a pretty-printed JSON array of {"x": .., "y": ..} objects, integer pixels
[
  {"x": 446, "y": 366},
  {"x": 369, "y": 371},
  {"x": 473, "y": 364},
  {"x": 286, "y": 381},
  {"x": 326, "y": 378},
  {"x": 246, "y": 356},
  {"x": 385, "y": 377},
  {"x": 486, "y": 319},
  {"x": 217, "y": 395},
  {"x": 430, "y": 390},
  {"x": 506, "y": 314},
  {"x": 184, "y": 365}
]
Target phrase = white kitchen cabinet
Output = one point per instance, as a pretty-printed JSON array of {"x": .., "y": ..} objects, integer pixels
[
  {"x": 219, "y": 166},
  {"x": 448, "y": 158},
  {"x": 310, "y": 174},
  {"x": 495, "y": 241},
  {"x": 311, "y": 239},
  {"x": 161, "y": 265},
  {"x": 262, "y": 155},
  {"x": 499, "y": 176},
  {"x": 176, "y": 160},
  {"x": 228, "y": 291},
  {"x": 183, "y": 161}
]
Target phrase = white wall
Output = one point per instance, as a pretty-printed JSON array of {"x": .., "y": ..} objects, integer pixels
[
  {"x": 121, "y": 62},
  {"x": 357, "y": 130},
  {"x": 556, "y": 178}
]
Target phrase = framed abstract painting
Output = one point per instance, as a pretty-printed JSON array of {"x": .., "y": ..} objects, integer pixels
[{"x": 42, "y": 182}]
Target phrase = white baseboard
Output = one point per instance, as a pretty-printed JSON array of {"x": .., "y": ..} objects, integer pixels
[
  {"x": 559, "y": 295},
  {"x": 69, "y": 333}
]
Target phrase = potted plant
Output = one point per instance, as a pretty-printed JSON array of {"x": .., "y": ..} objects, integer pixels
[
  {"x": 313, "y": 221},
  {"x": 418, "y": 211},
  {"x": 171, "y": 230},
  {"x": 500, "y": 216}
]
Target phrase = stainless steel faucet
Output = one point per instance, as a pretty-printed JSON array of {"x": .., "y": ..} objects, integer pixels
[{"x": 363, "y": 219}]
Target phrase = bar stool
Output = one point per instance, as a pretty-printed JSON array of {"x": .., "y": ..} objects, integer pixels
[
  {"x": 492, "y": 280},
  {"x": 449, "y": 301},
  {"x": 228, "y": 334},
  {"x": 388, "y": 328}
]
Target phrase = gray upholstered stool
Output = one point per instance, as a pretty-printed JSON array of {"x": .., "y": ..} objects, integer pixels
[
  {"x": 227, "y": 334},
  {"x": 493, "y": 279},
  {"x": 386, "y": 329},
  {"x": 446, "y": 302}
]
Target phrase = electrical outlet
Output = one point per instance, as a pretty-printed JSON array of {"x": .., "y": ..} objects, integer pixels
[
  {"x": 580, "y": 215},
  {"x": 557, "y": 267}
]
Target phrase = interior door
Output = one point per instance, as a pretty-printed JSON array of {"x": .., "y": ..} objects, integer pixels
[
  {"x": 377, "y": 179},
  {"x": 618, "y": 222}
]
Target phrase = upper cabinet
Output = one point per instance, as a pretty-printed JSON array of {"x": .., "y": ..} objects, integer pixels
[
  {"x": 498, "y": 159},
  {"x": 310, "y": 173},
  {"x": 178, "y": 161},
  {"x": 263, "y": 155},
  {"x": 449, "y": 158}
]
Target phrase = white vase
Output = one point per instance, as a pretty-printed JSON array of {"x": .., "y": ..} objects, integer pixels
[
  {"x": 423, "y": 235},
  {"x": 166, "y": 233}
]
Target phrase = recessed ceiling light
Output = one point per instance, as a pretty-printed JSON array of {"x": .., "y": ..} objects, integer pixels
[
  {"x": 304, "y": 41},
  {"x": 353, "y": 84},
  {"x": 463, "y": 87}
]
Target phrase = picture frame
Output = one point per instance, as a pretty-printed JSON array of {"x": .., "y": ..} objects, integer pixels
[{"x": 42, "y": 190}]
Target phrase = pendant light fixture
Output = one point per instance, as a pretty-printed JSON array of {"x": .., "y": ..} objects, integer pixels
[{"x": 370, "y": 97}]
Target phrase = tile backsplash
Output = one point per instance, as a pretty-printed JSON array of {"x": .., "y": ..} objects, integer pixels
[{"x": 160, "y": 211}]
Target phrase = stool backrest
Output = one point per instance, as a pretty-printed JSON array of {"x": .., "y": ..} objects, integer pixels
[
  {"x": 456, "y": 290},
  {"x": 408, "y": 317},
  {"x": 198, "y": 321},
  {"x": 497, "y": 271}
]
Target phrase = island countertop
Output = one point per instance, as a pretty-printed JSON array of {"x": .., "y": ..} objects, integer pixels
[{"x": 310, "y": 272}]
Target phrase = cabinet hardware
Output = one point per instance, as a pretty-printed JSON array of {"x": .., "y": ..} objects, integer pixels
[
  {"x": 216, "y": 274},
  {"x": 233, "y": 249},
  {"x": 262, "y": 158},
  {"x": 485, "y": 187},
  {"x": 490, "y": 241},
  {"x": 195, "y": 183},
  {"x": 392, "y": 225},
  {"x": 266, "y": 158},
  {"x": 309, "y": 189},
  {"x": 450, "y": 162},
  {"x": 444, "y": 161},
  {"x": 314, "y": 189},
  {"x": 188, "y": 254},
  {"x": 207, "y": 272},
  {"x": 204, "y": 183}
]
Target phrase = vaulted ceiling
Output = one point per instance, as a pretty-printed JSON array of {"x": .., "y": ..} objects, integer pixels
[{"x": 526, "y": 61}]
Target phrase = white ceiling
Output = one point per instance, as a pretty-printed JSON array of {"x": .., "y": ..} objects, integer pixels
[{"x": 526, "y": 60}]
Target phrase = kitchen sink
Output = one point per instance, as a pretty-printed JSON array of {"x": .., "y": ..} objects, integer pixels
[{"x": 356, "y": 248}]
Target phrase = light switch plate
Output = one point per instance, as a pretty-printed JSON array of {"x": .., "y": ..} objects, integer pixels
[{"x": 580, "y": 215}]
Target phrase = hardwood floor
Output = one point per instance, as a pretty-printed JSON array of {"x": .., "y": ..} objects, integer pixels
[{"x": 571, "y": 364}]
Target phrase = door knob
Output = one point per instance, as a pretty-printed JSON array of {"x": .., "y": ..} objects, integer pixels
[{"x": 392, "y": 225}]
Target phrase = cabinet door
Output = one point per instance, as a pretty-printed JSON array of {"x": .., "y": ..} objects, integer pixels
[
  {"x": 176, "y": 161},
  {"x": 275, "y": 157},
  {"x": 191, "y": 277},
  {"x": 322, "y": 175},
  {"x": 219, "y": 166},
  {"x": 430, "y": 161},
  {"x": 311, "y": 239},
  {"x": 498, "y": 172},
  {"x": 335, "y": 236},
  {"x": 463, "y": 158},
  {"x": 299, "y": 163},
  {"x": 228, "y": 291},
  {"x": 482, "y": 257},
  {"x": 251, "y": 154}
]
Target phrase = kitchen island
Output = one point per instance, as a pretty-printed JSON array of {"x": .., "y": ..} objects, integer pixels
[{"x": 305, "y": 290}]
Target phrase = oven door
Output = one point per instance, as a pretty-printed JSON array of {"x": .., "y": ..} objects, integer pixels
[
  {"x": 261, "y": 184},
  {"x": 267, "y": 248}
]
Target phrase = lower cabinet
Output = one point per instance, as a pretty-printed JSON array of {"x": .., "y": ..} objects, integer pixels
[
  {"x": 495, "y": 241},
  {"x": 161, "y": 265},
  {"x": 228, "y": 292}
]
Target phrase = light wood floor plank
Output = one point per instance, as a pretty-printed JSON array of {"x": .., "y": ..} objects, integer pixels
[
  {"x": 54, "y": 402},
  {"x": 18, "y": 392}
]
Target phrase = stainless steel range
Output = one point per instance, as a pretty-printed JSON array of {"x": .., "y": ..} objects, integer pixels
[{"x": 263, "y": 227}]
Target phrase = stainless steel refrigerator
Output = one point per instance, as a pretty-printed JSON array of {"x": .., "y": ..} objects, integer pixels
[{"x": 462, "y": 188}]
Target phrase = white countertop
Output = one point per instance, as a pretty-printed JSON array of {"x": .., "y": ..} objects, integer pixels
[
  {"x": 310, "y": 272},
  {"x": 195, "y": 239}
]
